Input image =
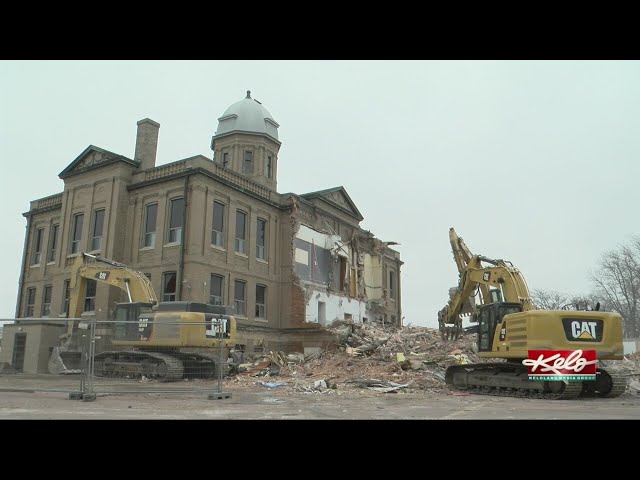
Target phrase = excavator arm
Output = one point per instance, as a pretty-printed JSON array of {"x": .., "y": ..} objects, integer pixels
[
  {"x": 90, "y": 267},
  {"x": 480, "y": 281}
]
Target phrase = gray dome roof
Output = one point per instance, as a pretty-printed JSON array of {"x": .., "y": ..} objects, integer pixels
[{"x": 248, "y": 115}]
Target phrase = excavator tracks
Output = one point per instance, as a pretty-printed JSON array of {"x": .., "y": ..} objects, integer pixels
[
  {"x": 511, "y": 380},
  {"x": 161, "y": 366},
  {"x": 166, "y": 366}
]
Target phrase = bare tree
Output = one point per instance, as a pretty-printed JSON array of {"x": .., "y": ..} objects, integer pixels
[
  {"x": 617, "y": 280},
  {"x": 554, "y": 300},
  {"x": 549, "y": 299}
]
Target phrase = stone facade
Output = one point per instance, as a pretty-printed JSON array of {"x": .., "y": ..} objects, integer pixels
[{"x": 118, "y": 193}]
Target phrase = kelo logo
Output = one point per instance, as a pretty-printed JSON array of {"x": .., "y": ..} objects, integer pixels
[
  {"x": 583, "y": 329},
  {"x": 563, "y": 365}
]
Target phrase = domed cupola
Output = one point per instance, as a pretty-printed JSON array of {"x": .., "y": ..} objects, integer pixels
[{"x": 246, "y": 141}]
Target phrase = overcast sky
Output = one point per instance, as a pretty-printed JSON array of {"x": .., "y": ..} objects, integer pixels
[{"x": 535, "y": 162}]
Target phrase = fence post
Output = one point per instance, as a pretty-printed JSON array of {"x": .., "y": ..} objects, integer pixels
[
  {"x": 218, "y": 395},
  {"x": 89, "y": 394},
  {"x": 79, "y": 395}
]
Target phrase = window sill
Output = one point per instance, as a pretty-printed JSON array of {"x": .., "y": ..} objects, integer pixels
[
  {"x": 243, "y": 255},
  {"x": 173, "y": 244},
  {"x": 51, "y": 263},
  {"x": 261, "y": 320},
  {"x": 266, "y": 262},
  {"x": 218, "y": 247},
  {"x": 73, "y": 255},
  {"x": 94, "y": 252},
  {"x": 35, "y": 265},
  {"x": 143, "y": 249}
]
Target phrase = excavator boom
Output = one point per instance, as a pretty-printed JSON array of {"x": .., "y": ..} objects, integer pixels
[
  {"x": 498, "y": 280},
  {"x": 90, "y": 267}
]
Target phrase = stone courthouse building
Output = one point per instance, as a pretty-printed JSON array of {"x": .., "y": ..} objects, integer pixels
[{"x": 212, "y": 230}]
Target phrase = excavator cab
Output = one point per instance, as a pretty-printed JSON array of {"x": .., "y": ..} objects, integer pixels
[
  {"x": 129, "y": 324},
  {"x": 489, "y": 317}
]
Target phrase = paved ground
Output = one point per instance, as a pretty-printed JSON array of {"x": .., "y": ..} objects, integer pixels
[{"x": 258, "y": 402}]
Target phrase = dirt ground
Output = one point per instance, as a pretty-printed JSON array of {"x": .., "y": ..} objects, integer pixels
[{"x": 256, "y": 401}]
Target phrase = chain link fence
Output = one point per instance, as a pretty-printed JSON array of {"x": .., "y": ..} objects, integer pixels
[{"x": 87, "y": 358}]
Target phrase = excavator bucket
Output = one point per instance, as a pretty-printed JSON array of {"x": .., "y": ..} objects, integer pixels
[
  {"x": 65, "y": 362},
  {"x": 451, "y": 332}
]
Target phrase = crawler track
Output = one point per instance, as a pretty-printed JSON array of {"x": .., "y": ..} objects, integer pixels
[
  {"x": 511, "y": 380},
  {"x": 136, "y": 364}
]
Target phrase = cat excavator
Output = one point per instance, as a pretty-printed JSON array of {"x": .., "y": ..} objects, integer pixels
[
  {"x": 495, "y": 295},
  {"x": 167, "y": 341}
]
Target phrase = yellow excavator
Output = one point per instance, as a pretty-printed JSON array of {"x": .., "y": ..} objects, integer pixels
[
  {"x": 167, "y": 341},
  {"x": 494, "y": 293}
]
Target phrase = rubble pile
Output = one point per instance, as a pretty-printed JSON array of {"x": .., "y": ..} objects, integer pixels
[
  {"x": 629, "y": 366},
  {"x": 384, "y": 359}
]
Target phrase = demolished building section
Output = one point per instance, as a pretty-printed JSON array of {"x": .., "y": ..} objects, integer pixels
[{"x": 352, "y": 276}]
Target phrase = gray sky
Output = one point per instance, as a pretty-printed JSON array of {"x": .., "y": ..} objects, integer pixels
[{"x": 536, "y": 162}]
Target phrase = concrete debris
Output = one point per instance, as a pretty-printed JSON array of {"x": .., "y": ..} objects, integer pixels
[
  {"x": 379, "y": 385},
  {"x": 389, "y": 359},
  {"x": 237, "y": 356},
  {"x": 319, "y": 386},
  {"x": 272, "y": 384}
]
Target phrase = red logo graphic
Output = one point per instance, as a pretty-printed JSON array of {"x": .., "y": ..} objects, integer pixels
[{"x": 571, "y": 365}]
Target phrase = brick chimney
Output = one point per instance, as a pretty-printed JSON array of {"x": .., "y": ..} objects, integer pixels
[{"x": 147, "y": 143}]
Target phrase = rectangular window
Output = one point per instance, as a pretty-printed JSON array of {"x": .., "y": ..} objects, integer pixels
[
  {"x": 269, "y": 167},
  {"x": 169, "y": 287},
  {"x": 261, "y": 304},
  {"x": 225, "y": 159},
  {"x": 217, "y": 230},
  {"x": 31, "y": 302},
  {"x": 98, "y": 223},
  {"x": 239, "y": 298},
  {"x": 261, "y": 235},
  {"x": 150, "y": 214},
  {"x": 247, "y": 166},
  {"x": 90, "y": 296},
  {"x": 241, "y": 224},
  {"x": 46, "y": 300},
  {"x": 175, "y": 221},
  {"x": 65, "y": 299},
  {"x": 215, "y": 290},
  {"x": 53, "y": 244},
  {"x": 392, "y": 284},
  {"x": 76, "y": 233},
  {"x": 37, "y": 246}
]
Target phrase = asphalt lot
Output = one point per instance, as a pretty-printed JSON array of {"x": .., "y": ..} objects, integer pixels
[{"x": 254, "y": 401}]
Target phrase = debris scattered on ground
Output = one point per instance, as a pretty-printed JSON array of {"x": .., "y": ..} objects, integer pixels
[
  {"x": 383, "y": 359},
  {"x": 395, "y": 359}
]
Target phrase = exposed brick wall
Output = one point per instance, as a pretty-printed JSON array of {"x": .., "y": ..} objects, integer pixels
[{"x": 298, "y": 305}]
